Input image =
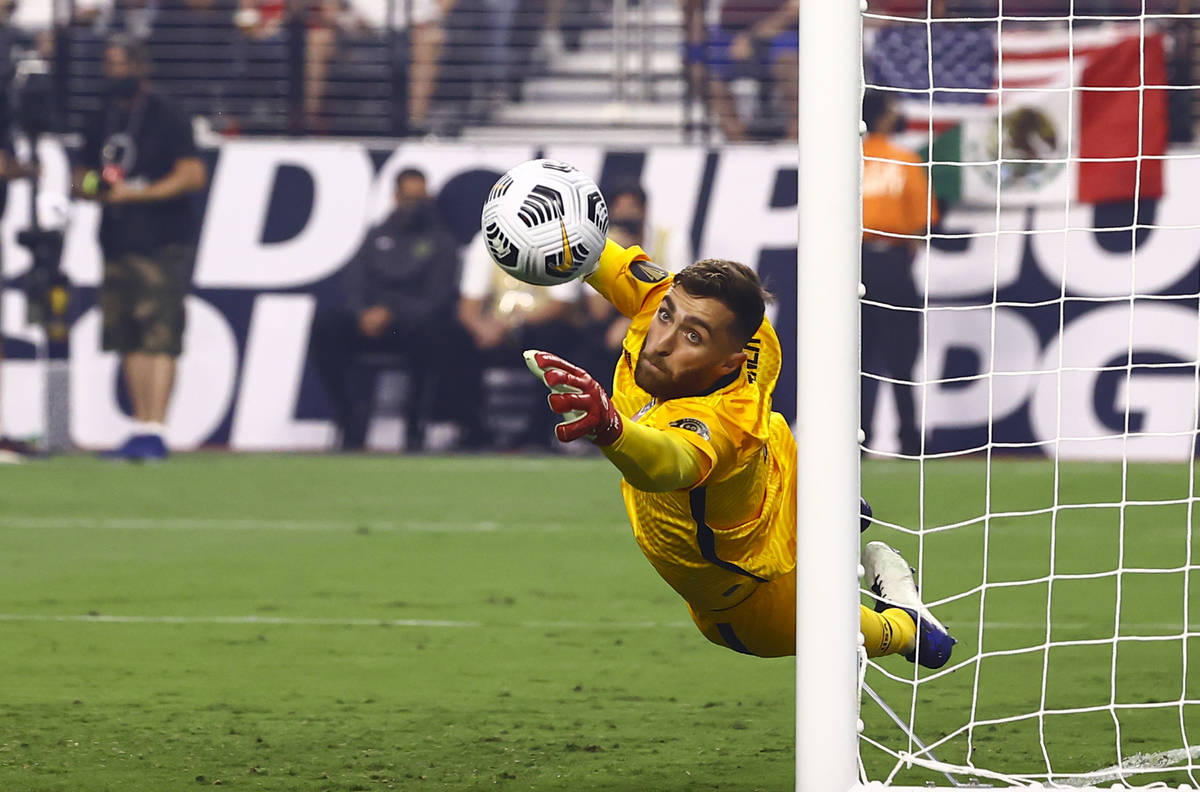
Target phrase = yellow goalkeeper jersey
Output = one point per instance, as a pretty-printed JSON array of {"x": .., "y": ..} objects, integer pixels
[{"x": 736, "y": 527}]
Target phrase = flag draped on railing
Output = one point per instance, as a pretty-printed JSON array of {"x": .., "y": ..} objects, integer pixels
[{"x": 1029, "y": 115}]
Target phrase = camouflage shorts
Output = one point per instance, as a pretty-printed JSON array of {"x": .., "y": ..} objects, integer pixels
[{"x": 141, "y": 300}]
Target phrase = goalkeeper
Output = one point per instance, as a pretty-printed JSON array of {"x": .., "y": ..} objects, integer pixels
[{"x": 709, "y": 470}]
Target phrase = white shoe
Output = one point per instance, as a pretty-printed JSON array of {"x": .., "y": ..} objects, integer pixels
[{"x": 890, "y": 578}]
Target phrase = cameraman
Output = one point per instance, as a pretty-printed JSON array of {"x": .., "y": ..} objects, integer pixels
[{"x": 140, "y": 162}]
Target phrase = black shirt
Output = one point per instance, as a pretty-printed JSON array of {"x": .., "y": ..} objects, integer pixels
[
  {"x": 410, "y": 264},
  {"x": 144, "y": 141}
]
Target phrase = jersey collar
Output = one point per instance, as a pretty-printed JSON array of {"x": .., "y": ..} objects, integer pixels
[{"x": 723, "y": 383}]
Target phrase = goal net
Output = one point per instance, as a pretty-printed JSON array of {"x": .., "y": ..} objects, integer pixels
[{"x": 1047, "y": 493}]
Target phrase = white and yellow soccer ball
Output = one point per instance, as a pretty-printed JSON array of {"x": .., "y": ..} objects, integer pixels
[{"x": 545, "y": 222}]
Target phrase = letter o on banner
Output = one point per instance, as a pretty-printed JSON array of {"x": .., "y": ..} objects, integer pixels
[
  {"x": 204, "y": 382},
  {"x": 1169, "y": 252},
  {"x": 1064, "y": 399}
]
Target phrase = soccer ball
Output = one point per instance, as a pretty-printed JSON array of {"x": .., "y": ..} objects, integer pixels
[{"x": 545, "y": 222}]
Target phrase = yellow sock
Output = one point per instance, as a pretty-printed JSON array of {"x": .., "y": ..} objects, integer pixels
[{"x": 887, "y": 633}]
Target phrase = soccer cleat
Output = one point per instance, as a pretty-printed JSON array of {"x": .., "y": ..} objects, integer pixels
[
  {"x": 139, "y": 448},
  {"x": 865, "y": 515},
  {"x": 891, "y": 580},
  {"x": 152, "y": 449}
]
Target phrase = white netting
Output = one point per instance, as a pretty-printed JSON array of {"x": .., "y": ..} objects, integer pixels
[{"x": 1047, "y": 494}]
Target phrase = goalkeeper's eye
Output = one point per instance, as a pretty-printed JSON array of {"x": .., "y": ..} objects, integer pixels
[
  {"x": 663, "y": 315},
  {"x": 693, "y": 337}
]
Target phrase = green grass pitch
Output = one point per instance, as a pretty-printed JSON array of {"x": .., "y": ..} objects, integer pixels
[{"x": 326, "y": 623}]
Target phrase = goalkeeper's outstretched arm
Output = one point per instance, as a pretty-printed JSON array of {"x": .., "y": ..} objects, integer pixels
[
  {"x": 627, "y": 278},
  {"x": 650, "y": 459}
]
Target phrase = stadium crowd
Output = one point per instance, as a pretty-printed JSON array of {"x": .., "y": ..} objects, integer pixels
[
  {"x": 358, "y": 67},
  {"x": 396, "y": 68},
  {"x": 414, "y": 67}
]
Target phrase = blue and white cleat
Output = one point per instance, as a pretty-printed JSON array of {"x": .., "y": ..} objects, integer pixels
[{"x": 890, "y": 578}]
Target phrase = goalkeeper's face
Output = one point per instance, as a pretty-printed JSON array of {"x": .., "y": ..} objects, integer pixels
[{"x": 690, "y": 346}]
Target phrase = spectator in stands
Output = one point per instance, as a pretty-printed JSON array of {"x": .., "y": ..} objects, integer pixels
[
  {"x": 896, "y": 201},
  {"x": 261, "y": 19},
  {"x": 934, "y": 9},
  {"x": 492, "y": 47},
  {"x": 140, "y": 162},
  {"x": 480, "y": 57},
  {"x": 754, "y": 39},
  {"x": 522, "y": 43},
  {"x": 317, "y": 23},
  {"x": 322, "y": 22},
  {"x": 419, "y": 25},
  {"x": 504, "y": 317},
  {"x": 271, "y": 52},
  {"x": 194, "y": 47},
  {"x": 400, "y": 293},
  {"x": 133, "y": 18},
  {"x": 986, "y": 9}
]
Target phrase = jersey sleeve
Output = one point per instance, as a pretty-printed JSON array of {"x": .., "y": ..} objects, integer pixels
[
  {"x": 699, "y": 426},
  {"x": 652, "y": 460},
  {"x": 627, "y": 278}
]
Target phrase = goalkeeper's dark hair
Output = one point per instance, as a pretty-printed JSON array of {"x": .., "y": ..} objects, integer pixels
[{"x": 735, "y": 285}]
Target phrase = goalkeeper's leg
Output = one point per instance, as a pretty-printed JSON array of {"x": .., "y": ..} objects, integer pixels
[
  {"x": 890, "y": 632},
  {"x": 890, "y": 578},
  {"x": 765, "y": 624}
]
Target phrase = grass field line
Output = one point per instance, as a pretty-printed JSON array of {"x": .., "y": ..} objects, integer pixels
[
  {"x": 104, "y": 618},
  {"x": 281, "y": 620},
  {"x": 26, "y": 522},
  {"x": 580, "y": 624}
]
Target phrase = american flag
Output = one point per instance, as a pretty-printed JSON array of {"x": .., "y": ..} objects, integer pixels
[
  {"x": 966, "y": 65},
  {"x": 1086, "y": 80}
]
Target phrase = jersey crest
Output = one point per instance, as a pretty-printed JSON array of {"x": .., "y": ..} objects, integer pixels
[
  {"x": 693, "y": 425},
  {"x": 647, "y": 271}
]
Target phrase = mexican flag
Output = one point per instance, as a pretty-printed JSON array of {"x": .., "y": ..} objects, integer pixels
[{"x": 1048, "y": 116}]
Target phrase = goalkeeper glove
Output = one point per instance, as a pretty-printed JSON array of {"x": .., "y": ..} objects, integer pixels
[{"x": 578, "y": 397}]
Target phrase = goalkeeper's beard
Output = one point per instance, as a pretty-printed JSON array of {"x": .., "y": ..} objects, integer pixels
[{"x": 664, "y": 384}]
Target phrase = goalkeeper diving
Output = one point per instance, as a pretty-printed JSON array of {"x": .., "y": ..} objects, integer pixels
[{"x": 709, "y": 471}]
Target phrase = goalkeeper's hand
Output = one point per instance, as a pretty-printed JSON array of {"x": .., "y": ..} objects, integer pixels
[{"x": 578, "y": 397}]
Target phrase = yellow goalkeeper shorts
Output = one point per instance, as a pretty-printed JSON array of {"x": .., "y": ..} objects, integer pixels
[{"x": 763, "y": 624}]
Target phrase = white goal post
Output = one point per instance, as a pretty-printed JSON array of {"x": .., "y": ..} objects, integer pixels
[
  {"x": 827, "y": 338},
  {"x": 830, "y": 687}
]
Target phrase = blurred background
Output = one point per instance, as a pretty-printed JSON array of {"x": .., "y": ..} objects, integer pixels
[{"x": 307, "y": 114}]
